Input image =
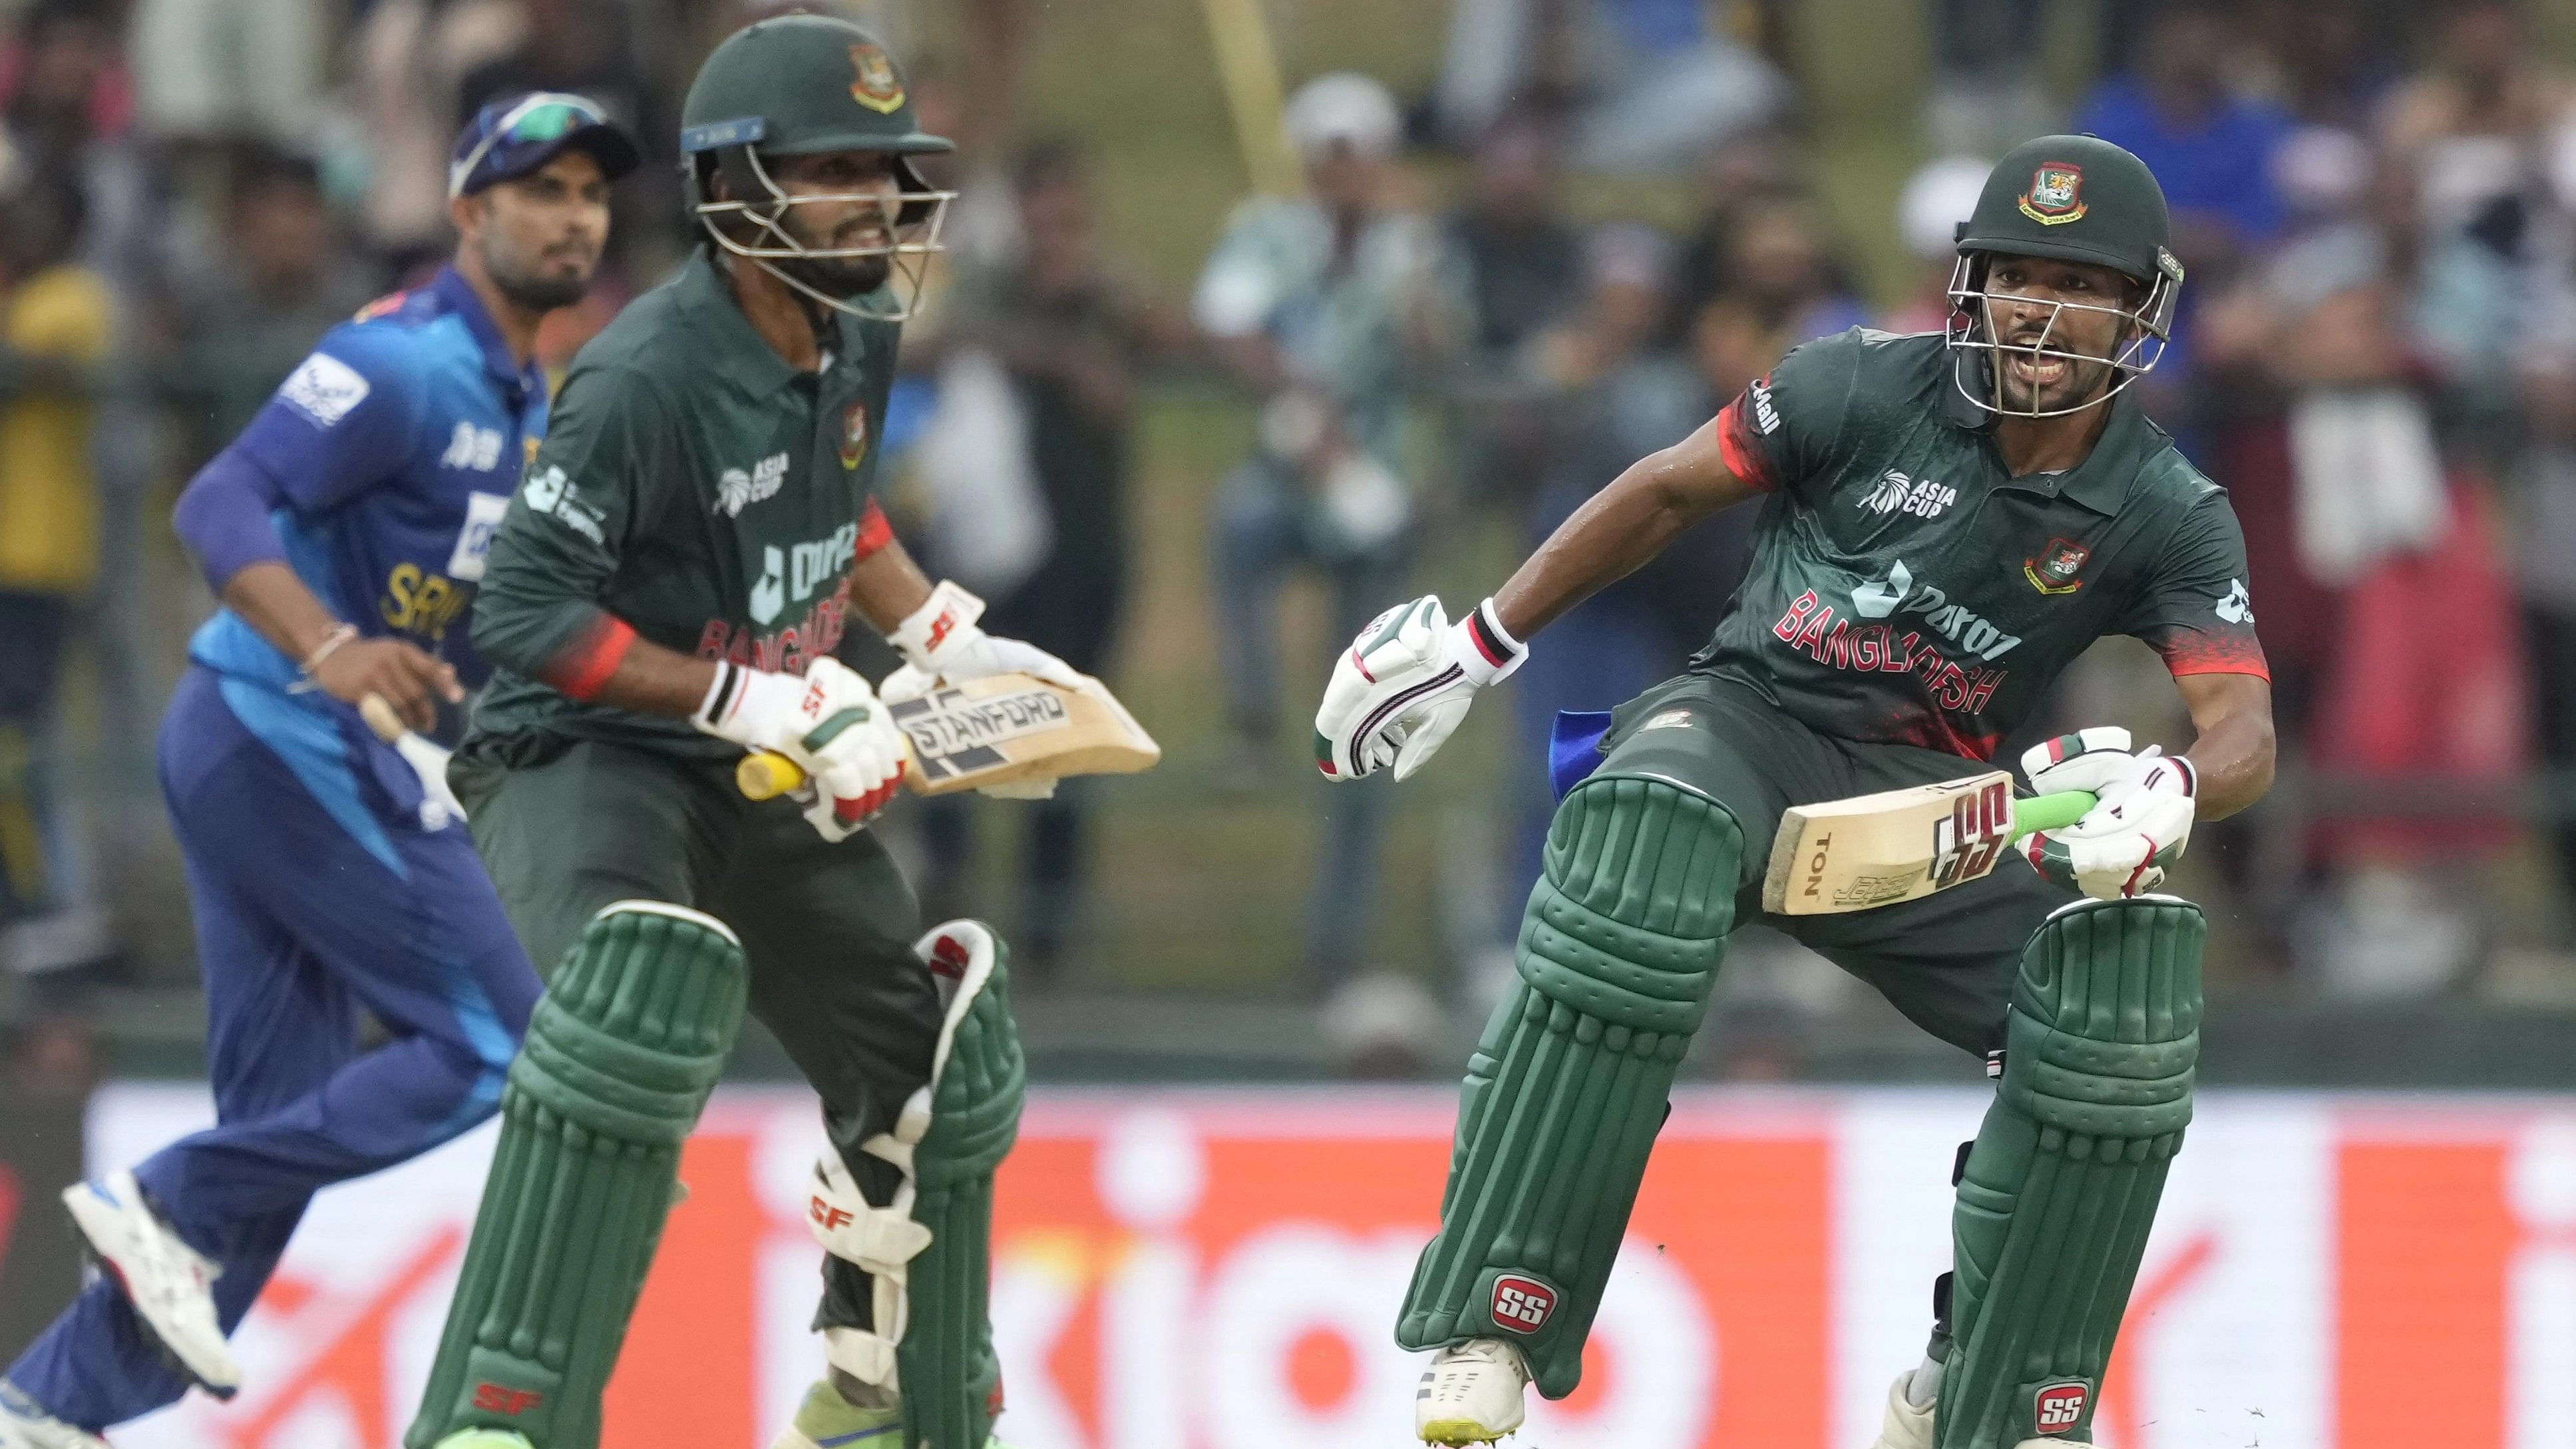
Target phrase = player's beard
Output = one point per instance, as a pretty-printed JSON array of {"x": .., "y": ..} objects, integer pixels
[
  {"x": 534, "y": 287},
  {"x": 845, "y": 278}
]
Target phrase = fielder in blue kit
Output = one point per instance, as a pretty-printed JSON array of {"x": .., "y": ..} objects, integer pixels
[{"x": 329, "y": 873}]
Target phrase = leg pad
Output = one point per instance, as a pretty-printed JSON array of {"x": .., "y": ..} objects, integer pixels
[
  {"x": 620, "y": 1056},
  {"x": 1619, "y": 948},
  {"x": 2062, "y": 1183}
]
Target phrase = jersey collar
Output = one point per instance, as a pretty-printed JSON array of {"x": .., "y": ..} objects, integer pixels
[
  {"x": 457, "y": 295},
  {"x": 743, "y": 356},
  {"x": 2100, "y": 482}
]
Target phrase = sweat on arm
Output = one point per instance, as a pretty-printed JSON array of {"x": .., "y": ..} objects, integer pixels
[{"x": 538, "y": 613}]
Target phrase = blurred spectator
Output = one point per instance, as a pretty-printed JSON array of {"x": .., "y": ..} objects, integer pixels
[
  {"x": 1747, "y": 169},
  {"x": 1522, "y": 256},
  {"x": 67, "y": 106},
  {"x": 1987, "y": 93},
  {"x": 2476, "y": 127},
  {"x": 1334, "y": 307},
  {"x": 2210, "y": 146},
  {"x": 281, "y": 280},
  {"x": 209, "y": 72},
  {"x": 1936, "y": 198},
  {"x": 411, "y": 58},
  {"x": 1615, "y": 396},
  {"x": 55, "y": 319},
  {"x": 1784, "y": 286},
  {"x": 1069, "y": 329},
  {"x": 1635, "y": 85}
]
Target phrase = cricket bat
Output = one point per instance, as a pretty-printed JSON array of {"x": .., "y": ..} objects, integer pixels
[
  {"x": 997, "y": 730},
  {"x": 1902, "y": 845}
]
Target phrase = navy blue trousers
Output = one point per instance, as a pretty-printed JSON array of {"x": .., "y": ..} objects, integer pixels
[{"x": 318, "y": 895}]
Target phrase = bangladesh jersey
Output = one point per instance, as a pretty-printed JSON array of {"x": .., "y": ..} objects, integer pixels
[
  {"x": 694, "y": 490},
  {"x": 1904, "y": 589}
]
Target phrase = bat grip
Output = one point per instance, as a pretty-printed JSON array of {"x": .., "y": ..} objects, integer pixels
[
  {"x": 2034, "y": 813},
  {"x": 766, "y": 775}
]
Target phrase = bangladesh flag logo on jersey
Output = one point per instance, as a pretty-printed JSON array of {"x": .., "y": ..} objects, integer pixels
[
  {"x": 2053, "y": 569},
  {"x": 854, "y": 436}
]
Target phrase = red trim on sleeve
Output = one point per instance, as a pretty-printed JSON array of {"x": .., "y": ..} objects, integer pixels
[
  {"x": 874, "y": 532},
  {"x": 583, "y": 667},
  {"x": 1742, "y": 455},
  {"x": 2214, "y": 654}
]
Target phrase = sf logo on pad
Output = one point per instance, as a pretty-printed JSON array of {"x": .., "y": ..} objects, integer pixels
[{"x": 1522, "y": 1305}]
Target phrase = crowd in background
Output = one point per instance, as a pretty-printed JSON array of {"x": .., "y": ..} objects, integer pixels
[{"x": 2376, "y": 354}]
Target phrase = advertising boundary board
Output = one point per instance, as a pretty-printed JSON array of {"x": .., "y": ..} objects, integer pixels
[{"x": 1211, "y": 1269}]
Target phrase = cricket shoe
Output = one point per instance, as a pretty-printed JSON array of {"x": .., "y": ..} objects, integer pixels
[
  {"x": 1471, "y": 1394},
  {"x": 827, "y": 1421},
  {"x": 1906, "y": 1426},
  {"x": 23, "y": 1425},
  {"x": 168, "y": 1282}
]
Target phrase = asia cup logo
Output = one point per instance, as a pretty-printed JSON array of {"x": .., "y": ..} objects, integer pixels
[{"x": 2055, "y": 195}]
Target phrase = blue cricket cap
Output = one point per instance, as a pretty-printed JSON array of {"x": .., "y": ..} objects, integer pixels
[{"x": 509, "y": 139}]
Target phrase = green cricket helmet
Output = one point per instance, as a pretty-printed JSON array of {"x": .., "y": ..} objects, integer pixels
[
  {"x": 806, "y": 85},
  {"x": 2076, "y": 199}
]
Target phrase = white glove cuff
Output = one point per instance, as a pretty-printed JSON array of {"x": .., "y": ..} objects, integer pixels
[
  {"x": 943, "y": 624},
  {"x": 2190, "y": 775},
  {"x": 1487, "y": 651},
  {"x": 740, "y": 698}
]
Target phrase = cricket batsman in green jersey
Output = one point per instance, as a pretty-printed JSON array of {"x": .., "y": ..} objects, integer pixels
[
  {"x": 665, "y": 592},
  {"x": 1947, "y": 522}
]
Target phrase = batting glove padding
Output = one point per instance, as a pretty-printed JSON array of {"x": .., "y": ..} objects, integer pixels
[
  {"x": 2140, "y": 824},
  {"x": 1405, "y": 683},
  {"x": 942, "y": 644},
  {"x": 829, "y": 722}
]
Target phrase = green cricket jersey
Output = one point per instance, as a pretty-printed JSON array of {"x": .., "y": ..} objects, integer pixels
[
  {"x": 695, "y": 490},
  {"x": 1904, "y": 589}
]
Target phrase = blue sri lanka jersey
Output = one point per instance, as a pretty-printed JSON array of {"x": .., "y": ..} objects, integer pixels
[{"x": 395, "y": 448}]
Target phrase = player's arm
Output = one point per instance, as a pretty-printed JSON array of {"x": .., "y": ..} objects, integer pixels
[
  {"x": 1621, "y": 528},
  {"x": 2232, "y": 752},
  {"x": 337, "y": 426},
  {"x": 933, "y": 627}
]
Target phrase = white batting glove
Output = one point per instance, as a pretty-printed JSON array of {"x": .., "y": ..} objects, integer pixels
[
  {"x": 942, "y": 644},
  {"x": 2140, "y": 822},
  {"x": 1404, "y": 684},
  {"x": 829, "y": 722}
]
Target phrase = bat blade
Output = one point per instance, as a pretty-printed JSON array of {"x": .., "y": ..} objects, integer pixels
[
  {"x": 1898, "y": 845},
  {"x": 998, "y": 730}
]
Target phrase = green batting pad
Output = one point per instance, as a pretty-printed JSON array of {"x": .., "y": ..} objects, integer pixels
[
  {"x": 2061, "y": 1185},
  {"x": 621, "y": 1053},
  {"x": 1619, "y": 947},
  {"x": 950, "y": 1375}
]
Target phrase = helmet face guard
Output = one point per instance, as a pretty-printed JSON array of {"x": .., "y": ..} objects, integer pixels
[
  {"x": 754, "y": 228},
  {"x": 1972, "y": 335}
]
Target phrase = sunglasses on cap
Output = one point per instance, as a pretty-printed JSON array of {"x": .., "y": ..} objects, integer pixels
[{"x": 536, "y": 120}]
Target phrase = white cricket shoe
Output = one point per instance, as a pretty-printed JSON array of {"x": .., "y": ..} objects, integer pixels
[
  {"x": 23, "y": 1425},
  {"x": 1471, "y": 1394},
  {"x": 1906, "y": 1426},
  {"x": 167, "y": 1281}
]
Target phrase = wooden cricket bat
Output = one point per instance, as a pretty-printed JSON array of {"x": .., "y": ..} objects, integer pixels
[
  {"x": 1902, "y": 845},
  {"x": 993, "y": 731}
]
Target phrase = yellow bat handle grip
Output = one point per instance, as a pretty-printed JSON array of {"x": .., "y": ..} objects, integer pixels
[{"x": 766, "y": 775}]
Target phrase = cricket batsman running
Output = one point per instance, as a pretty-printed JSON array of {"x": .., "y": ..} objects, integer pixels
[
  {"x": 665, "y": 592},
  {"x": 1948, "y": 520}
]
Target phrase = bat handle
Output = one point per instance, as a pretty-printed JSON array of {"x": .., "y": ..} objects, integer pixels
[
  {"x": 766, "y": 775},
  {"x": 2034, "y": 813},
  {"x": 380, "y": 717}
]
